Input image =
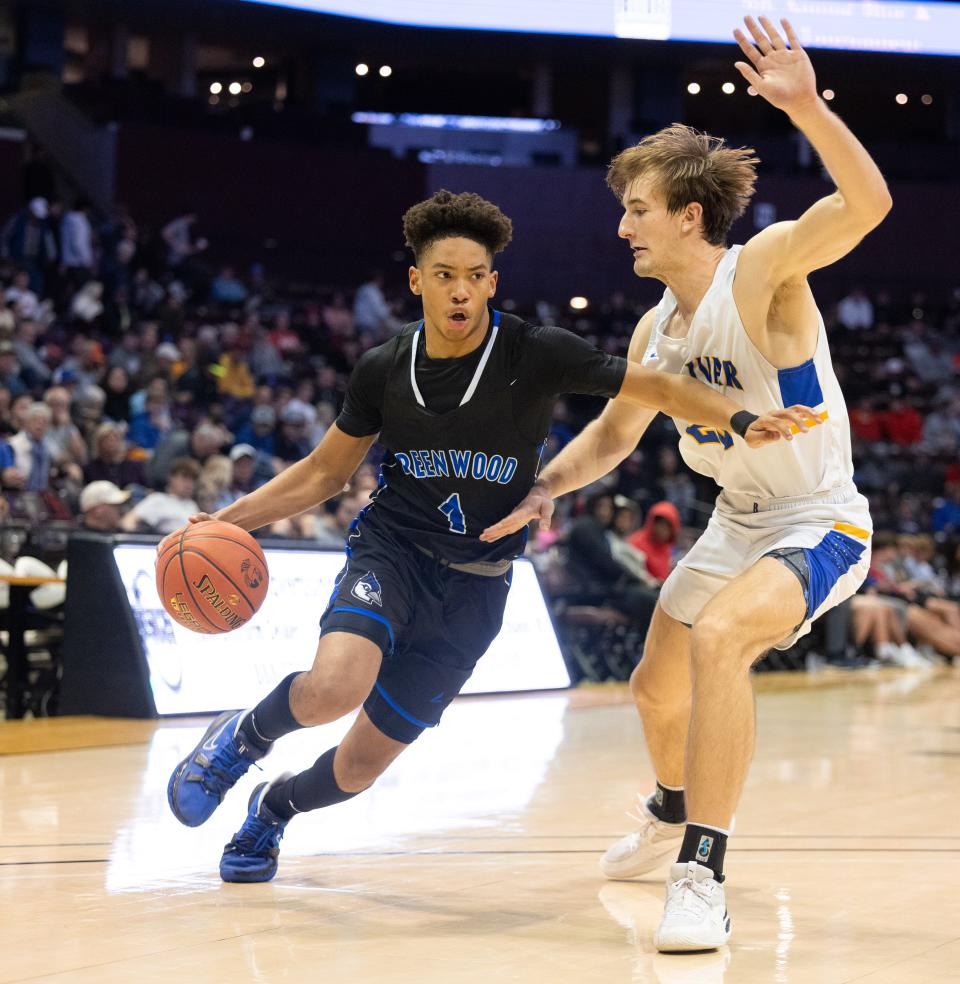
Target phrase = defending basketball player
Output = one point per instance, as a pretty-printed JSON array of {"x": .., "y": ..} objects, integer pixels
[
  {"x": 462, "y": 400},
  {"x": 790, "y": 535}
]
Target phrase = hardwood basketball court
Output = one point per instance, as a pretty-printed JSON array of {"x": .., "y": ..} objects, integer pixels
[{"x": 475, "y": 858}]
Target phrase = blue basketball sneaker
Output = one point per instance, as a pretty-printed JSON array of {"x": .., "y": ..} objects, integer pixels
[
  {"x": 252, "y": 854},
  {"x": 202, "y": 779}
]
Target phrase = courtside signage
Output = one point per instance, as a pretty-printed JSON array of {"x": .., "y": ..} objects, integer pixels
[{"x": 192, "y": 673}]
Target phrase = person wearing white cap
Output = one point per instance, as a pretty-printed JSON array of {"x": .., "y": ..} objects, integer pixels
[{"x": 101, "y": 505}]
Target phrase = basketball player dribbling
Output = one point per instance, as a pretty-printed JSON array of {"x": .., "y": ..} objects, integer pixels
[
  {"x": 462, "y": 400},
  {"x": 790, "y": 535}
]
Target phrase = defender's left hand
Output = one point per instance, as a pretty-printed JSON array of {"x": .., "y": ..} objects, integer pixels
[
  {"x": 782, "y": 75},
  {"x": 781, "y": 423}
]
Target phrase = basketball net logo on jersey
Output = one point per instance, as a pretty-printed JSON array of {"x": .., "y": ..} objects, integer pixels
[{"x": 368, "y": 590}]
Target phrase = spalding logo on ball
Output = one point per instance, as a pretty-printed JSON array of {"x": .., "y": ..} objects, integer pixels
[{"x": 212, "y": 577}]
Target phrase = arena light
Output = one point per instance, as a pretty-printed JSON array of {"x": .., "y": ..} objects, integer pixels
[
  {"x": 728, "y": 88},
  {"x": 385, "y": 71},
  {"x": 579, "y": 303},
  {"x": 693, "y": 88},
  {"x": 751, "y": 91},
  {"x": 448, "y": 121},
  {"x": 216, "y": 88},
  {"x": 235, "y": 88},
  {"x": 828, "y": 94},
  {"x": 901, "y": 99},
  {"x": 362, "y": 69},
  {"x": 926, "y": 99},
  {"x": 259, "y": 61}
]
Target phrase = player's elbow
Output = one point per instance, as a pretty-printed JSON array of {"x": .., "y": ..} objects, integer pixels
[{"x": 871, "y": 210}]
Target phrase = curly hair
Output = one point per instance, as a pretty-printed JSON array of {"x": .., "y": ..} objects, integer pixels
[
  {"x": 445, "y": 214},
  {"x": 689, "y": 166}
]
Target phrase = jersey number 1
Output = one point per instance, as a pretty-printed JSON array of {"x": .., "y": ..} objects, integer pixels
[{"x": 450, "y": 507}]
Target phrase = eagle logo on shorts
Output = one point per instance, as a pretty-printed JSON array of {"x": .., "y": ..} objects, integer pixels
[{"x": 368, "y": 589}]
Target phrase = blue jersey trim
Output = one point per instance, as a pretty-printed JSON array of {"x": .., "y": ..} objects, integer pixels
[
  {"x": 800, "y": 384},
  {"x": 828, "y": 561},
  {"x": 373, "y": 615},
  {"x": 399, "y": 709}
]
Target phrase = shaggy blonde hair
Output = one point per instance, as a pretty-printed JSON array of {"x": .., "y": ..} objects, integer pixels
[{"x": 688, "y": 166}]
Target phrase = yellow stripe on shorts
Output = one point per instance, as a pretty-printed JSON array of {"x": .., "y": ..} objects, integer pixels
[
  {"x": 852, "y": 530},
  {"x": 820, "y": 418}
]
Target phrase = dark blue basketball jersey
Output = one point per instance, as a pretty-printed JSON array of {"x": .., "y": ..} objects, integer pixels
[{"x": 448, "y": 475}]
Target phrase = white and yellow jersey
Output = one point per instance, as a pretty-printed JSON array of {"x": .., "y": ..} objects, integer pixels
[{"x": 718, "y": 351}]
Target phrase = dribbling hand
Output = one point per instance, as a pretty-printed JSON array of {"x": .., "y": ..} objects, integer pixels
[
  {"x": 538, "y": 505},
  {"x": 201, "y": 517},
  {"x": 772, "y": 426}
]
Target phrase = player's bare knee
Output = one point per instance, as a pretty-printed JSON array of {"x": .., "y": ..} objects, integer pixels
[
  {"x": 315, "y": 700},
  {"x": 715, "y": 644}
]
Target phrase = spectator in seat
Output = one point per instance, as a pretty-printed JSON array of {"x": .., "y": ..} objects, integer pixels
[
  {"x": 946, "y": 515},
  {"x": 227, "y": 289},
  {"x": 602, "y": 577},
  {"x": 11, "y": 376},
  {"x": 164, "y": 512},
  {"x": 150, "y": 428},
  {"x": 371, "y": 312},
  {"x": 251, "y": 469},
  {"x": 29, "y": 241},
  {"x": 64, "y": 440},
  {"x": 31, "y": 455},
  {"x": 101, "y": 507},
  {"x": 76, "y": 243},
  {"x": 855, "y": 311},
  {"x": 292, "y": 442},
  {"x": 865, "y": 422},
  {"x": 110, "y": 461},
  {"x": 259, "y": 431},
  {"x": 657, "y": 538},
  {"x": 204, "y": 440},
  {"x": 903, "y": 424},
  {"x": 118, "y": 389}
]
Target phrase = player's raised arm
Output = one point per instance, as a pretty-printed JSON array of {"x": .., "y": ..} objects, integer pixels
[
  {"x": 312, "y": 480},
  {"x": 781, "y": 73}
]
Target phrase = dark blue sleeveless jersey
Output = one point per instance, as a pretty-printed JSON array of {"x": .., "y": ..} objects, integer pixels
[{"x": 464, "y": 436}]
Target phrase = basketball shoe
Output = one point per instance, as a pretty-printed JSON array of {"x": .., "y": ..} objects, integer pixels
[
  {"x": 202, "y": 779},
  {"x": 251, "y": 856},
  {"x": 695, "y": 915},
  {"x": 645, "y": 848}
]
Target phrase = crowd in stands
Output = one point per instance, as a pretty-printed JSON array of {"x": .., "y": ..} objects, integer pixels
[{"x": 139, "y": 383}]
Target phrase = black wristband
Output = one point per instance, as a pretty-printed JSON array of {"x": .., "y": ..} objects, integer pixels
[{"x": 741, "y": 420}]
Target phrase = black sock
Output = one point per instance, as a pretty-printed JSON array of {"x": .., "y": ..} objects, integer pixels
[
  {"x": 668, "y": 805},
  {"x": 312, "y": 789},
  {"x": 272, "y": 717},
  {"x": 706, "y": 846}
]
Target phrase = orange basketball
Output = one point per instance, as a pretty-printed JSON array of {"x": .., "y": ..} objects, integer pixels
[{"x": 212, "y": 577}]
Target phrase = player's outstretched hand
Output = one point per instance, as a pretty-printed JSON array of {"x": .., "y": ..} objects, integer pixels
[
  {"x": 770, "y": 427},
  {"x": 782, "y": 75},
  {"x": 536, "y": 506}
]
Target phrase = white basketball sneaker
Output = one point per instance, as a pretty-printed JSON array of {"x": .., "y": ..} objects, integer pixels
[
  {"x": 645, "y": 848},
  {"x": 695, "y": 915}
]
